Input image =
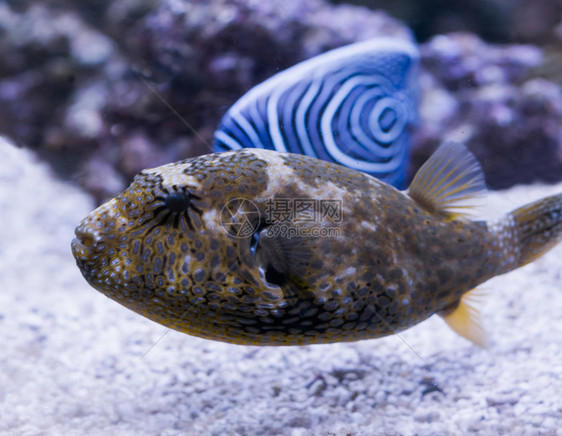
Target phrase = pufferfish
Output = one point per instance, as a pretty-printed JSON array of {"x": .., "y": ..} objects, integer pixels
[{"x": 266, "y": 248}]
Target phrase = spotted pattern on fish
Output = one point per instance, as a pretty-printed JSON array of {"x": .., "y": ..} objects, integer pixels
[
  {"x": 163, "y": 248},
  {"x": 351, "y": 106}
]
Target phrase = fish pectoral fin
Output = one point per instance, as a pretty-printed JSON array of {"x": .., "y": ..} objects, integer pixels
[
  {"x": 450, "y": 183},
  {"x": 465, "y": 318},
  {"x": 283, "y": 258}
]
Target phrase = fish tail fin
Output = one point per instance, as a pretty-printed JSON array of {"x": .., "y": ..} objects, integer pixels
[{"x": 537, "y": 227}]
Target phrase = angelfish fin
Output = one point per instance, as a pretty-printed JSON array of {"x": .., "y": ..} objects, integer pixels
[
  {"x": 450, "y": 182},
  {"x": 465, "y": 318}
]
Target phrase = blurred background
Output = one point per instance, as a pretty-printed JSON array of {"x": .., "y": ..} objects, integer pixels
[{"x": 89, "y": 85}]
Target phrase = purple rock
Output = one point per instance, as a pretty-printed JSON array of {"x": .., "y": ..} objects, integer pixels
[{"x": 486, "y": 97}]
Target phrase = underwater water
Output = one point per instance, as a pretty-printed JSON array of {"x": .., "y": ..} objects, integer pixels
[{"x": 93, "y": 93}]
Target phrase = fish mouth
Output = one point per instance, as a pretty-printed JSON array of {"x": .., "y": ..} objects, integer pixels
[
  {"x": 84, "y": 242},
  {"x": 82, "y": 247}
]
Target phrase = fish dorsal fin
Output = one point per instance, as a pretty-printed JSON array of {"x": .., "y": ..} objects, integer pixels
[
  {"x": 465, "y": 319},
  {"x": 450, "y": 182}
]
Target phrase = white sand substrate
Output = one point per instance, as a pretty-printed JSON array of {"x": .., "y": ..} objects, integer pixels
[{"x": 73, "y": 362}]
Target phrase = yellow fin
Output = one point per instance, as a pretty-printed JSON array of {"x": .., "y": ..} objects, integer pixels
[
  {"x": 465, "y": 319},
  {"x": 450, "y": 182}
]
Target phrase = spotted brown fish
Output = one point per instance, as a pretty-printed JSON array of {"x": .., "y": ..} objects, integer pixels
[{"x": 267, "y": 248}]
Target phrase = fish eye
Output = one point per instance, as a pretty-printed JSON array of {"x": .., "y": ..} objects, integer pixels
[{"x": 177, "y": 202}]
